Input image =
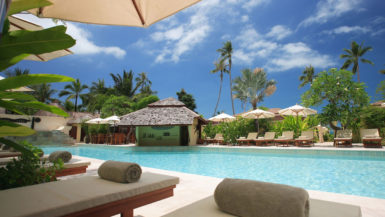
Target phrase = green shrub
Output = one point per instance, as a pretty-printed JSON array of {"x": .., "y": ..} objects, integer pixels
[
  {"x": 27, "y": 170},
  {"x": 374, "y": 118},
  {"x": 103, "y": 128},
  {"x": 291, "y": 123},
  {"x": 93, "y": 129}
]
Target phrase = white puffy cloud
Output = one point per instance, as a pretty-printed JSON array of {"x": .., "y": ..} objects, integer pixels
[
  {"x": 84, "y": 44},
  {"x": 244, "y": 18},
  {"x": 328, "y": 9},
  {"x": 278, "y": 57},
  {"x": 248, "y": 5},
  {"x": 279, "y": 32},
  {"x": 348, "y": 29}
]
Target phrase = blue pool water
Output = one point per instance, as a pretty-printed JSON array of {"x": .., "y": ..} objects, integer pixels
[{"x": 347, "y": 172}]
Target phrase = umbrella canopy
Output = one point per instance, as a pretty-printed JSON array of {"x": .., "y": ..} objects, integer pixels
[
  {"x": 112, "y": 119},
  {"x": 297, "y": 110},
  {"x": 96, "y": 121},
  {"x": 141, "y": 13},
  {"x": 20, "y": 89},
  {"x": 258, "y": 114},
  {"x": 20, "y": 24},
  {"x": 222, "y": 117}
]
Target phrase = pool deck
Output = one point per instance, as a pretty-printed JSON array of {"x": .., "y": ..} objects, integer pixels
[{"x": 195, "y": 187}]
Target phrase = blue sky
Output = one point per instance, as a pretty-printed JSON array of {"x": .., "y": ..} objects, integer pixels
[{"x": 280, "y": 36}]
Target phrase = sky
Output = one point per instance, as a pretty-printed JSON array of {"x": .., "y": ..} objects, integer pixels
[{"x": 280, "y": 36}]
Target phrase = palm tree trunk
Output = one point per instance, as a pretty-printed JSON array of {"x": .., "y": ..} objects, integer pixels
[
  {"x": 76, "y": 103},
  {"x": 231, "y": 87},
  {"x": 358, "y": 73},
  {"x": 219, "y": 95}
]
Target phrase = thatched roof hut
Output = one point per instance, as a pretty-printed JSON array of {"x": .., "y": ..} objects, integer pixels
[{"x": 166, "y": 112}]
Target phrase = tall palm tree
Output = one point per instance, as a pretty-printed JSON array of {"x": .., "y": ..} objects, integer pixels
[
  {"x": 219, "y": 67},
  {"x": 144, "y": 83},
  {"x": 98, "y": 87},
  {"x": 43, "y": 93},
  {"x": 226, "y": 52},
  {"x": 124, "y": 85},
  {"x": 240, "y": 92},
  {"x": 16, "y": 72},
  {"x": 254, "y": 85},
  {"x": 307, "y": 76},
  {"x": 354, "y": 55},
  {"x": 73, "y": 90}
]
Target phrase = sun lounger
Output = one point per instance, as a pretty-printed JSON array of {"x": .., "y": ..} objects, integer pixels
[
  {"x": 6, "y": 154},
  {"x": 269, "y": 137},
  {"x": 217, "y": 139},
  {"x": 344, "y": 137},
  {"x": 250, "y": 138},
  {"x": 306, "y": 139},
  {"x": 371, "y": 138},
  {"x": 86, "y": 196},
  {"x": 318, "y": 208},
  {"x": 285, "y": 139}
]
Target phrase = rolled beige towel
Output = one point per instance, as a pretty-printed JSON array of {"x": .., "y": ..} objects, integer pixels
[
  {"x": 122, "y": 172},
  {"x": 249, "y": 198},
  {"x": 64, "y": 155}
]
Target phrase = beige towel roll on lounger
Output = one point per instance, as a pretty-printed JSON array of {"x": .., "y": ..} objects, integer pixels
[
  {"x": 122, "y": 172},
  {"x": 249, "y": 198}
]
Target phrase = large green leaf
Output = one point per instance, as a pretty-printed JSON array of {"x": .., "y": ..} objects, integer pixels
[
  {"x": 16, "y": 146},
  {"x": 15, "y": 106},
  {"x": 8, "y": 62},
  {"x": 8, "y": 128},
  {"x": 16, "y": 96},
  {"x": 25, "y": 80},
  {"x": 48, "y": 40},
  {"x": 23, "y": 5}
]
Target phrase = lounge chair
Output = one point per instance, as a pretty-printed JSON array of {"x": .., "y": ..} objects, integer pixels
[
  {"x": 285, "y": 139},
  {"x": 269, "y": 137},
  {"x": 371, "y": 138},
  {"x": 306, "y": 139},
  {"x": 250, "y": 138},
  {"x": 318, "y": 208},
  {"x": 86, "y": 196},
  {"x": 344, "y": 137},
  {"x": 217, "y": 139}
]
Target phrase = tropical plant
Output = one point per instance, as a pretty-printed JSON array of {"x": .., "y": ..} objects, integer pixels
[
  {"x": 226, "y": 53},
  {"x": 254, "y": 86},
  {"x": 343, "y": 98},
  {"x": 145, "y": 84},
  {"x": 124, "y": 85},
  {"x": 219, "y": 67},
  {"x": 43, "y": 93},
  {"x": 307, "y": 76},
  {"x": 98, "y": 87},
  {"x": 187, "y": 99},
  {"x": 354, "y": 55},
  {"x": 117, "y": 105},
  {"x": 143, "y": 102},
  {"x": 381, "y": 89},
  {"x": 73, "y": 90},
  {"x": 298, "y": 125},
  {"x": 373, "y": 118},
  {"x": 16, "y": 72}
]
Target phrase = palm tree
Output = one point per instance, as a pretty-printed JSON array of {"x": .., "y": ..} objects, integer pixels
[
  {"x": 16, "y": 72},
  {"x": 145, "y": 84},
  {"x": 382, "y": 71},
  {"x": 254, "y": 86},
  {"x": 98, "y": 87},
  {"x": 240, "y": 92},
  {"x": 73, "y": 91},
  {"x": 219, "y": 67},
  {"x": 307, "y": 76},
  {"x": 124, "y": 85},
  {"x": 353, "y": 55},
  {"x": 226, "y": 52},
  {"x": 43, "y": 93}
]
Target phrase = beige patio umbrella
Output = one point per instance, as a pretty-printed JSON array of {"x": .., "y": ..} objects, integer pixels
[
  {"x": 20, "y": 24},
  {"x": 258, "y": 114},
  {"x": 297, "y": 110},
  {"x": 96, "y": 121},
  {"x": 141, "y": 13},
  {"x": 222, "y": 117}
]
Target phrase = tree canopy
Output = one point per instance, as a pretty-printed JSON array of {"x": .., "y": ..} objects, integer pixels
[{"x": 187, "y": 99}]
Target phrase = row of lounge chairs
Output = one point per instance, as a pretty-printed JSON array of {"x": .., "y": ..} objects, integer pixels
[{"x": 370, "y": 138}]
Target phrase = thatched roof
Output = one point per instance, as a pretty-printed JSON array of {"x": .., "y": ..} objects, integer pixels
[
  {"x": 79, "y": 117},
  {"x": 166, "y": 112}
]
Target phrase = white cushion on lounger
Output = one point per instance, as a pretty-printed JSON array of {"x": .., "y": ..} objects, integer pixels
[
  {"x": 318, "y": 208},
  {"x": 72, "y": 195}
]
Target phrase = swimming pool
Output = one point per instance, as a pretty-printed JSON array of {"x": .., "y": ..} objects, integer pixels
[{"x": 347, "y": 172}]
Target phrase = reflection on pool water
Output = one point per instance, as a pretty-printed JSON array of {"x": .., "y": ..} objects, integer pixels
[{"x": 347, "y": 172}]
